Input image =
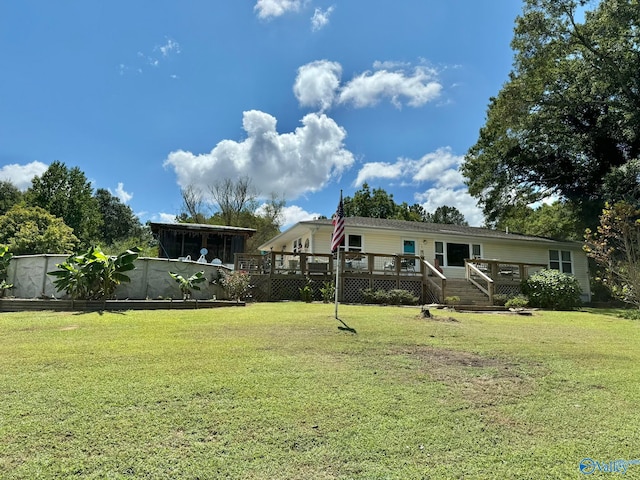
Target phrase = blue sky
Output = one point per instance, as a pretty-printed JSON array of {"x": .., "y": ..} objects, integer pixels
[{"x": 306, "y": 97}]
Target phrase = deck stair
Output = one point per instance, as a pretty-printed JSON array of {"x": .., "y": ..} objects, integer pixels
[{"x": 469, "y": 294}]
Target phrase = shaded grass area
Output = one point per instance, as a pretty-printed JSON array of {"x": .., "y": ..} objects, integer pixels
[{"x": 278, "y": 391}]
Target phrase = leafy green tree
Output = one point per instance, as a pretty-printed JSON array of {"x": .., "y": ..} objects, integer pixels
[
  {"x": 557, "y": 220},
  {"x": 118, "y": 220},
  {"x": 364, "y": 203},
  {"x": 10, "y": 195},
  {"x": 186, "y": 285},
  {"x": 31, "y": 230},
  {"x": 67, "y": 194},
  {"x": 569, "y": 114},
  {"x": 615, "y": 246},
  {"x": 446, "y": 215}
]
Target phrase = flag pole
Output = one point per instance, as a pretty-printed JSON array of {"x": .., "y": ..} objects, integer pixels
[
  {"x": 336, "y": 240},
  {"x": 337, "y": 276}
]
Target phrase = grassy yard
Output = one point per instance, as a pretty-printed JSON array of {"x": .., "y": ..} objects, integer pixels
[{"x": 277, "y": 391}]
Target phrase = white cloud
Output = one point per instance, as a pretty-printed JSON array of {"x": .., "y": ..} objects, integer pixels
[
  {"x": 316, "y": 84},
  {"x": 21, "y": 175},
  {"x": 275, "y": 8},
  {"x": 121, "y": 194},
  {"x": 379, "y": 170},
  {"x": 436, "y": 197},
  {"x": 369, "y": 88},
  {"x": 294, "y": 214},
  {"x": 288, "y": 164},
  {"x": 320, "y": 18},
  {"x": 440, "y": 169},
  {"x": 166, "y": 50}
]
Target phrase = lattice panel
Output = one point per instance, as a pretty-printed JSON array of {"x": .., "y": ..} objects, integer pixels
[
  {"x": 260, "y": 290},
  {"x": 412, "y": 286},
  {"x": 352, "y": 291},
  {"x": 286, "y": 288},
  {"x": 384, "y": 284},
  {"x": 507, "y": 289}
]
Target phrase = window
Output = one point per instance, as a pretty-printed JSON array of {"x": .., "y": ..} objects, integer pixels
[
  {"x": 560, "y": 260},
  {"x": 440, "y": 253},
  {"x": 476, "y": 250},
  {"x": 456, "y": 254},
  {"x": 354, "y": 243}
]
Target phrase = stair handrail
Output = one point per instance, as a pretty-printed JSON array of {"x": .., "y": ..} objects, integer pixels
[
  {"x": 436, "y": 273},
  {"x": 489, "y": 290}
]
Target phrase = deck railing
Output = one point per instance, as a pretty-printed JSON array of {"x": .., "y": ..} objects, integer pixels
[
  {"x": 497, "y": 276},
  {"x": 324, "y": 264}
]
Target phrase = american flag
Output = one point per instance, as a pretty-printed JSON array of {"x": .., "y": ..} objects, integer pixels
[{"x": 338, "y": 227}]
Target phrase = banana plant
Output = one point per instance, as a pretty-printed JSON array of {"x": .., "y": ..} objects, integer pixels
[
  {"x": 188, "y": 284},
  {"x": 93, "y": 275}
]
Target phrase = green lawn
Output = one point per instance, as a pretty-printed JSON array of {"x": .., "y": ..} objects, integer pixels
[{"x": 278, "y": 391}]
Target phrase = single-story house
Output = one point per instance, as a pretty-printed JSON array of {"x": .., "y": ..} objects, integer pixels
[
  {"x": 503, "y": 256},
  {"x": 195, "y": 241}
]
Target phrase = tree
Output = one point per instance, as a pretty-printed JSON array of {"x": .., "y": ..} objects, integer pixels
[
  {"x": 615, "y": 246},
  {"x": 66, "y": 193},
  {"x": 118, "y": 220},
  {"x": 192, "y": 205},
  {"x": 568, "y": 116},
  {"x": 232, "y": 198},
  {"x": 557, "y": 220},
  {"x": 9, "y": 196},
  {"x": 446, "y": 215},
  {"x": 31, "y": 230},
  {"x": 380, "y": 204}
]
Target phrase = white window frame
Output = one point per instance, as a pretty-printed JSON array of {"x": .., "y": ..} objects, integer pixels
[
  {"x": 560, "y": 262},
  {"x": 445, "y": 256}
]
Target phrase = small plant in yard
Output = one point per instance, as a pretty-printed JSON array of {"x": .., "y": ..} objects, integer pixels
[
  {"x": 519, "y": 301},
  {"x": 306, "y": 292},
  {"x": 188, "y": 284},
  {"x": 237, "y": 284},
  {"x": 552, "y": 289},
  {"x": 452, "y": 300},
  {"x": 328, "y": 291},
  {"x": 499, "y": 299}
]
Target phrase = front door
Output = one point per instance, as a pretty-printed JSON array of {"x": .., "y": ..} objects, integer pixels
[{"x": 409, "y": 248}]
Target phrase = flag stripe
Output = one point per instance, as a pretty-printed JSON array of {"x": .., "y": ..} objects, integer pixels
[{"x": 338, "y": 227}]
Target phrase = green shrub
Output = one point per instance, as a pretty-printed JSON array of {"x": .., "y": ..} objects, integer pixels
[
  {"x": 188, "y": 284},
  {"x": 499, "y": 299},
  {"x": 519, "y": 301},
  {"x": 631, "y": 314},
  {"x": 328, "y": 291},
  {"x": 391, "y": 297},
  {"x": 306, "y": 292},
  {"x": 553, "y": 290},
  {"x": 402, "y": 297},
  {"x": 237, "y": 284}
]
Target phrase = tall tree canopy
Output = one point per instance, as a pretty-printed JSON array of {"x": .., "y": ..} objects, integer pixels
[
  {"x": 67, "y": 194},
  {"x": 380, "y": 204},
  {"x": 446, "y": 215},
  {"x": 118, "y": 220},
  {"x": 9, "y": 196},
  {"x": 568, "y": 119}
]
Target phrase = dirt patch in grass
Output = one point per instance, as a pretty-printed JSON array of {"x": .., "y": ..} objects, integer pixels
[{"x": 483, "y": 382}]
